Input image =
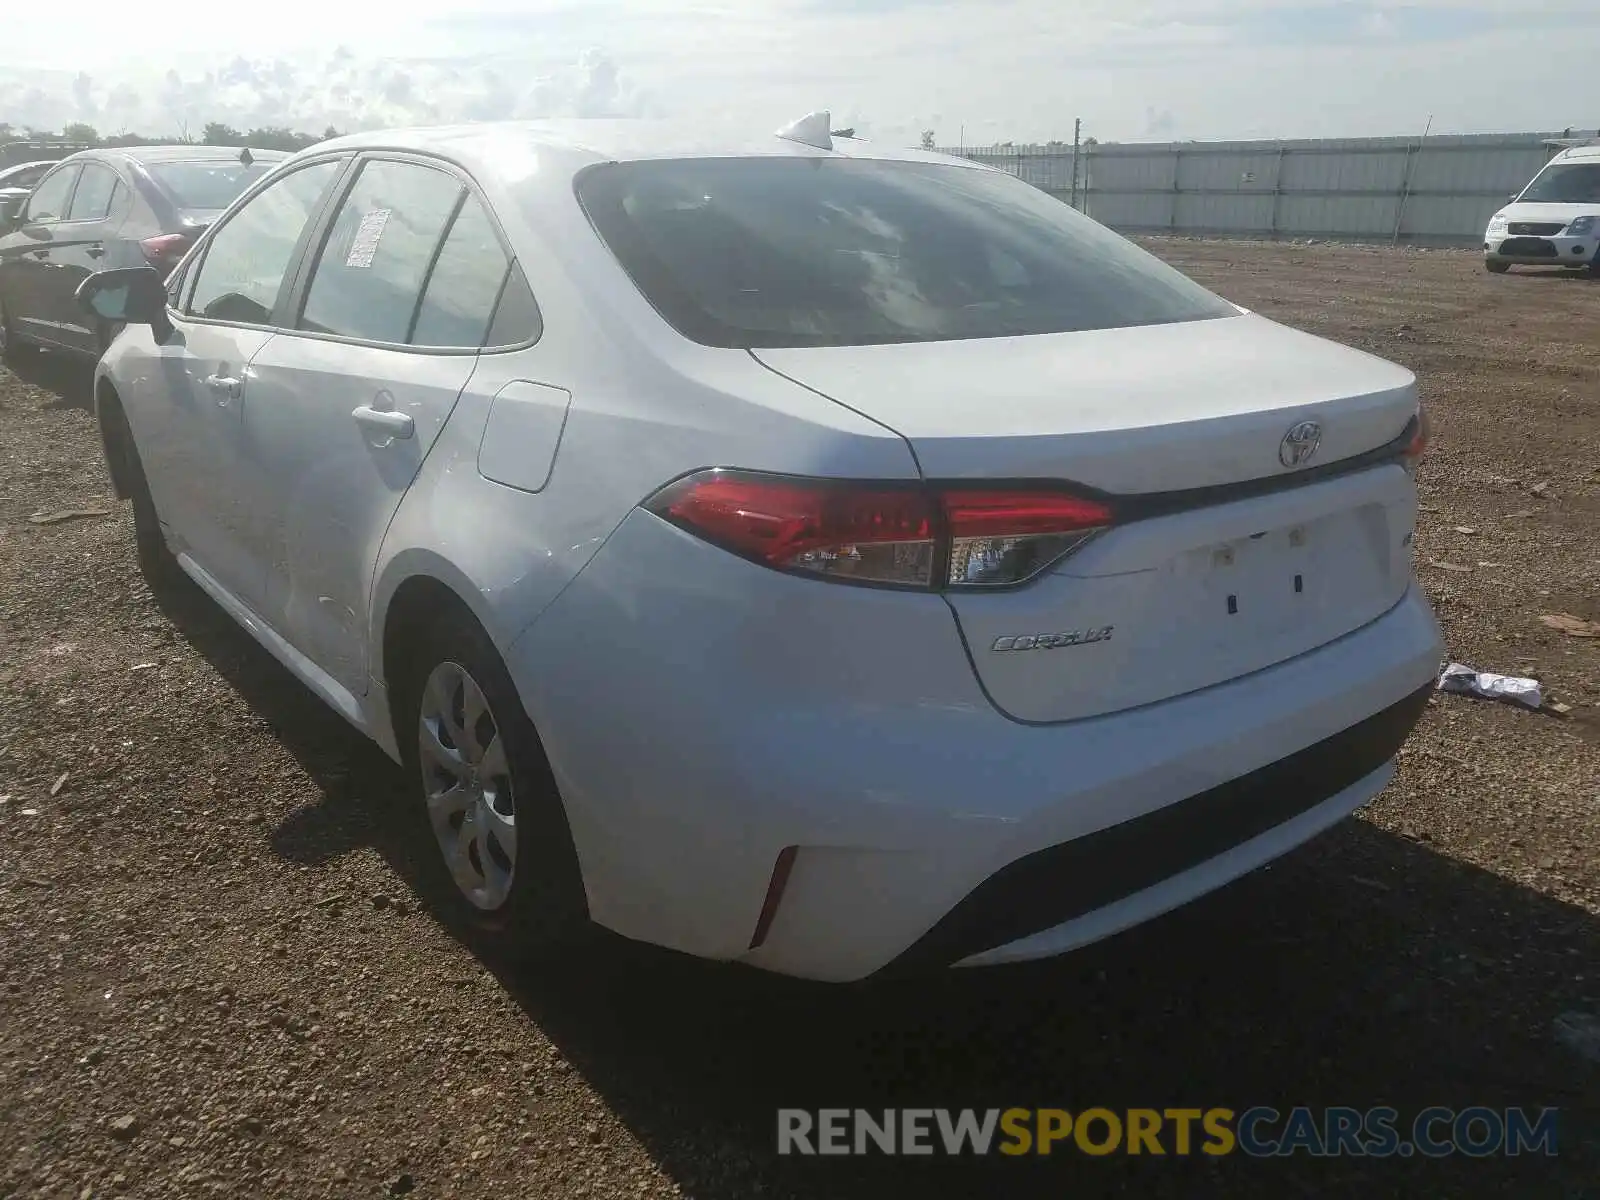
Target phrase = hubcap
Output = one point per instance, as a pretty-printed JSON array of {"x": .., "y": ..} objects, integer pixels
[{"x": 466, "y": 782}]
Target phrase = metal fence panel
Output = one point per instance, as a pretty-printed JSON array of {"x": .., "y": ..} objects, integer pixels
[
  {"x": 1439, "y": 189},
  {"x": 1132, "y": 210},
  {"x": 1236, "y": 213},
  {"x": 1339, "y": 216}
]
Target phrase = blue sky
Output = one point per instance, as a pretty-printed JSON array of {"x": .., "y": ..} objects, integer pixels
[{"x": 995, "y": 69}]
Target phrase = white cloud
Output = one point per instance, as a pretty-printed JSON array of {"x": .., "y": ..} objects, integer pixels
[
  {"x": 1377, "y": 24},
  {"x": 1002, "y": 69}
]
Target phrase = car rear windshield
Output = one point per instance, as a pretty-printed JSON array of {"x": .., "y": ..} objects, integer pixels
[
  {"x": 1571, "y": 183},
  {"x": 765, "y": 252},
  {"x": 203, "y": 184}
]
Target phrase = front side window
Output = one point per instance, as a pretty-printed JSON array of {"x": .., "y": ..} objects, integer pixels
[
  {"x": 49, "y": 200},
  {"x": 1565, "y": 183},
  {"x": 246, "y": 259},
  {"x": 769, "y": 251},
  {"x": 369, "y": 278},
  {"x": 92, "y": 200}
]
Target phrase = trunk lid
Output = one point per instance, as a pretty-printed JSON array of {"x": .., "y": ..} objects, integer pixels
[
  {"x": 1150, "y": 409},
  {"x": 1173, "y": 603}
]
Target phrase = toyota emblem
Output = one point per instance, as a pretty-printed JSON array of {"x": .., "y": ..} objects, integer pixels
[{"x": 1300, "y": 443}]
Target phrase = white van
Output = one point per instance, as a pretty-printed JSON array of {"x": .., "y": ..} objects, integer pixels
[{"x": 1554, "y": 221}]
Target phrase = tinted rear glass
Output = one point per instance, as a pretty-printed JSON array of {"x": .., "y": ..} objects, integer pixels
[
  {"x": 206, "y": 184},
  {"x": 754, "y": 252},
  {"x": 1568, "y": 183}
]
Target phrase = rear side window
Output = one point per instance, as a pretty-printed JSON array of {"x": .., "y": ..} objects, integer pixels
[
  {"x": 206, "y": 184},
  {"x": 370, "y": 275},
  {"x": 246, "y": 258},
  {"x": 49, "y": 200},
  {"x": 96, "y": 190},
  {"x": 752, "y": 252},
  {"x": 516, "y": 318}
]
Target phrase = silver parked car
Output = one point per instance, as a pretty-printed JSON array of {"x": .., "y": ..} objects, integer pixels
[{"x": 781, "y": 549}]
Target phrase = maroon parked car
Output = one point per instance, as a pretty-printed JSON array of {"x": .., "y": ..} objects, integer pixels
[{"x": 97, "y": 209}]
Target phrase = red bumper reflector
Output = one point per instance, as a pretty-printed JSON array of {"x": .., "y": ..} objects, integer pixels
[{"x": 780, "y": 880}]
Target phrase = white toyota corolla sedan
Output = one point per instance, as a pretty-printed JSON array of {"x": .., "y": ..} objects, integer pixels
[{"x": 829, "y": 557}]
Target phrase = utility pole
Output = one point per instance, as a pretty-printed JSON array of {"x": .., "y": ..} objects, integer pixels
[
  {"x": 1405, "y": 183},
  {"x": 1077, "y": 128}
]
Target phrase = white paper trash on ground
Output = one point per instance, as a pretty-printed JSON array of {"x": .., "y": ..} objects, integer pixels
[{"x": 1517, "y": 690}]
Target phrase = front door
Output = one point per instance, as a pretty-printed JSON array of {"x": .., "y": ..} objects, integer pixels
[
  {"x": 27, "y": 260},
  {"x": 187, "y": 422},
  {"x": 341, "y": 412},
  {"x": 188, "y": 416}
]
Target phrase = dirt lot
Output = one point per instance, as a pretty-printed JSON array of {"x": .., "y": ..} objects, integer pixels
[{"x": 216, "y": 978}]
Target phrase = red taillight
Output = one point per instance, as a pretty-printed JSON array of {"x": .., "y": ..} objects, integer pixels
[
  {"x": 165, "y": 250},
  {"x": 1418, "y": 445},
  {"x": 874, "y": 533}
]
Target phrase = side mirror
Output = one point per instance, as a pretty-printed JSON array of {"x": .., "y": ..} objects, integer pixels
[
  {"x": 132, "y": 295},
  {"x": 11, "y": 208}
]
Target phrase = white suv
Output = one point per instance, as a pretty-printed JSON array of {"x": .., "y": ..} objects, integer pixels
[
  {"x": 1554, "y": 221},
  {"x": 782, "y": 549}
]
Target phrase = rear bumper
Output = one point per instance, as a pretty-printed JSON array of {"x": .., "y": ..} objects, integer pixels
[
  {"x": 1024, "y": 909},
  {"x": 703, "y": 714},
  {"x": 1556, "y": 251}
]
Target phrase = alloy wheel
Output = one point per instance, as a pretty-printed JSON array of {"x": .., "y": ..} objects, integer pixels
[{"x": 466, "y": 784}]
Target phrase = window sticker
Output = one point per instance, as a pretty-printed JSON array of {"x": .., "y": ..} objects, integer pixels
[{"x": 368, "y": 234}]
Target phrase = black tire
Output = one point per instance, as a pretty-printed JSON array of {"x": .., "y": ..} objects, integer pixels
[
  {"x": 1495, "y": 268},
  {"x": 156, "y": 560},
  {"x": 545, "y": 911}
]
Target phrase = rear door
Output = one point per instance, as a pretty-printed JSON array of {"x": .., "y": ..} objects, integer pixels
[
  {"x": 99, "y": 204},
  {"x": 341, "y": 413},
  {"x": 27, "y": 259}
]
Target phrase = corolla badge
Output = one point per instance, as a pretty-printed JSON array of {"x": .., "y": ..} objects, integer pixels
[
  {"x": 1053, "y": 641},
  {"x": 1300, "y": 443}
]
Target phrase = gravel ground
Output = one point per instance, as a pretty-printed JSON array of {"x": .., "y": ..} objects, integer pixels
[{"x": 218, "y": 978}]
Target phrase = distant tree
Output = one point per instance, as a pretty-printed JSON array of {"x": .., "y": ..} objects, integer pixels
[
  {"x": 927, "y": 139},
  {"x": 216, "y": 133}
]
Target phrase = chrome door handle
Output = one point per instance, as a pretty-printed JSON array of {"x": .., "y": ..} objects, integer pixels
[
  {"x": 389, "y": 423},
  {"x": 228, "y": 387},
  {"x": 95, "y": 252}
]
